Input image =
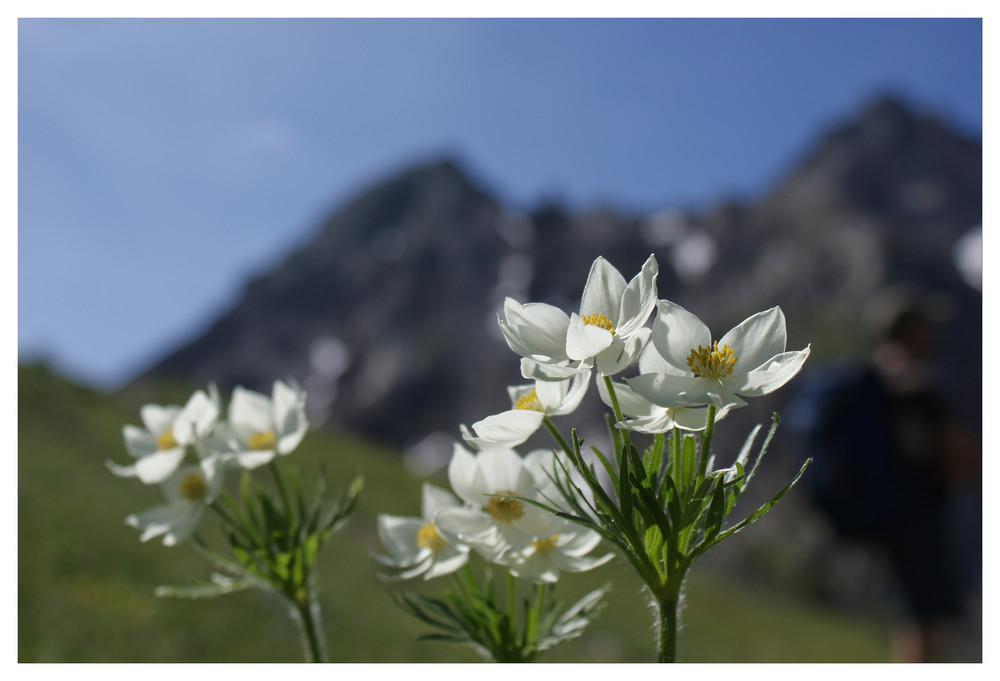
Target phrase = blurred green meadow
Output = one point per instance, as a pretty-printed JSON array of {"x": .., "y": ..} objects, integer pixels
[{"x": 85, "y": 582}]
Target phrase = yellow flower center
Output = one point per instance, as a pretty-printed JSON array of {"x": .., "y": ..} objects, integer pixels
[
  {"x": 712, "y": 362},
  {"x": 504, "y": 509},
  {"x": 264, "y": 440},
  {"x": 599, "y": 320},
  {"x": 166, "y": 439},
  {"x": 543, "y": 545},
  {"x": 428, "y": 537},
  {"x": 529, "y": 401},
  {"x": 193, "y": 486}
]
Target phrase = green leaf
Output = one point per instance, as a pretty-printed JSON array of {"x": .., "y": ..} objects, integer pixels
[
  {"x": 767, "y": 506},
  {"x": 717, "y": 509},
  {"x": 219, "y": 587},
  {"x": 607, "y": 466},
  {"x": 576, "y": 619}
]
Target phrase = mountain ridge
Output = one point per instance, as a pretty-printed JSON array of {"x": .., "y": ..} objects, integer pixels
[{"x": 388, "y": 315}]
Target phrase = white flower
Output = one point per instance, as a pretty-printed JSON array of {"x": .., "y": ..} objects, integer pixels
[
  {"x": 686, "y": 368},
  {"x": 560, "y": 546},
  {"x": 188, "y": 491},
  {"x": 611, "y": 325},
  {"x": 643, "y": 416},
  {"x": 493, "y": 482},
  {"x": 159, "y": 447},
  {"x": 537, "y": 332},
  {"x": 532, "y": 403},
  {"x": 260, "y": 427},
  {"x": 415, "y": 545},
  {"x": 609, "y": 329}
]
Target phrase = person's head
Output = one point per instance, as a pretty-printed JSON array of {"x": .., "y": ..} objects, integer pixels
[{"x": 911, "y": 329}]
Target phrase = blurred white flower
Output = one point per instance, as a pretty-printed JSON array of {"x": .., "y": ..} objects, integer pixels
[
  {"x": 260, "y": 427},
  {"x": 414, "y": 544},
  {"x": 159, "y": 447},
  {"x": 683, "y": 367},
  {"x": 531, "y": 404},
  {"x": 493, "y": 483},
  {"x": 188, "y": 491},
  {"x": 561, "y": 546}
]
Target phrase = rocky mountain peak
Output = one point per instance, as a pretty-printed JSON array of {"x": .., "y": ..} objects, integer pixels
[{"x": 388, "y": 315}]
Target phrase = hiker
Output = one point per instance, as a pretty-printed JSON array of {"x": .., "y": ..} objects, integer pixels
[{"x": 888, "y": 459}]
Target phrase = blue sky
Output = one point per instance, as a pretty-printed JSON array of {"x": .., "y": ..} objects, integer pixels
[{"x": 161, "y": 162}]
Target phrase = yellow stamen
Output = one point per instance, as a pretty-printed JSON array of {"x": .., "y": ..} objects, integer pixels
[
  {"x": 193, "y": 486},
  {"x": 599, "y": 320},
  {"x": 504, "y": 509},
  {"x": 264, "y": 440},
  {"x": 166, "y": 439},
  {"x": 428, "y": 537},
  {"x": 543, "y": 545},
  {"x": 529, "y": 402},
  {"x": 712, "y": 362}
]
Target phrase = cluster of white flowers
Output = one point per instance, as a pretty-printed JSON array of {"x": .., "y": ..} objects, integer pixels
[
  {"x": 680, "y": 374},
  {"x": 491, "y": 515},
  {"x": 257, "y": 429},
  {"x": 681, "y": 371}
]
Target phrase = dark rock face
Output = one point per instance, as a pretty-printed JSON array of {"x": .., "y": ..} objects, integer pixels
[{"x": 388, "y": 317}]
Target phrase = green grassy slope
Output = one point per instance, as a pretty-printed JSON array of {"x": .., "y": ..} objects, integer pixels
[{"x": 85, "y": 582}]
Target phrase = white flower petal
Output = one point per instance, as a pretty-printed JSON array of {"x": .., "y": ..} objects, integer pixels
[
  {"x": 602, "y": 294},
  {"x": 503, "y": 470},
  {"x": 138, "y": 441},
  {"x": 506, "y": 429},
  {"x": 535, "y": 330},
  {"x": 756, "y": 339},
  {"x": 536, "y": 568},
  {"x": 159, "y": 519},
  {"x": 195, "y": 419},
  {"x": 773, "y": 374},
  {"x": 434, "y": 498},
  {"x": 249, "y": 459},
  {"x": 184, "y": 527},
  {"x": 620, "y": 355},
  {"x": 251, "y": 410},
  {"x": 559, "y": 398},
  {"x": 572, "y": 563},
  {"x": 398, "y": 535},
  {"x": 667, "y": 390},
  {"x": 694, "y": 418},
  {"x": 415, "y": 571},
  {"x": 676, "y": 332},
  {"x": 446, "y": 561},
  {"x": 584, "y": 341},
  {"x": 464, "y": 476},
  {"x": 120, "y": 471},
  {"x": 540, "y": 371},
  {"x": 157, "y": 467},
  {"x": 465, "y": 525},
  {"x": 652, "y": 362},
  {"x": 158, "y": 419},
  {"x": 638, "y": 299}
]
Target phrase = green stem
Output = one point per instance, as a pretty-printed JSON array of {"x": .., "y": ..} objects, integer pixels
[
  {"x": 706, "y": 442},
  {"x": 279, "y": 481},
  {"x": 619, "y": 417},
  {"x": 307, "y": 614},
  {"x": 667, "y": 607}
]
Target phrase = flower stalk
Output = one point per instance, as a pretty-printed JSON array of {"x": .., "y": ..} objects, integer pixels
[{"x": 668, "y": 506}]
